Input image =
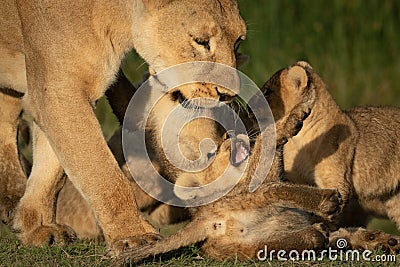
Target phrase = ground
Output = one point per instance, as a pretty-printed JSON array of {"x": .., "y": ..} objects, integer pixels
[{"x": 92, "y": 254}]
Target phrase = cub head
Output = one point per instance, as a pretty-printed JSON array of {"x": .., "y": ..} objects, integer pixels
[
  {"x": 289, "y": 87},
  {"x": 227, "y": 160},
  {"x": 172, "y": 32}
]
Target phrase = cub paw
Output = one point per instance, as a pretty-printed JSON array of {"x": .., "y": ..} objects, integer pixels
[
  {"x": 319, "y": 236},
  {"x": 119, "y": 246},
  {"x": 7, "y": 210},
  {"x": 48, "y": 235},
  {"x": 331, "y": 205},
  {"x": 362, "y": 239},
  {"x": 387, "y": 243},
  {"x": 293, "y": 123}
]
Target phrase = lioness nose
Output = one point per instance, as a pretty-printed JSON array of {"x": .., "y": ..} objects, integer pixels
[{"x": 225, "y": 95}]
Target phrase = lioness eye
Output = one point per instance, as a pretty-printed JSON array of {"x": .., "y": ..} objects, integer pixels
[
  {"x": 267, "y": 91},
  {"x": 203, "y": 42},
  {"x": 237, "y": 43}
]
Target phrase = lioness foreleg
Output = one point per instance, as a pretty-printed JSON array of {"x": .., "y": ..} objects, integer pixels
[
  {"x": 64, "y": 80},
  {"x": 93, "y": 171}
]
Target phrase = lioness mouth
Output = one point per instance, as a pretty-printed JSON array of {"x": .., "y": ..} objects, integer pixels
[
  {"x": 183, "y": 101},
  {"x": 239, "y": 152},
  {"x": 195, "y": 103}
]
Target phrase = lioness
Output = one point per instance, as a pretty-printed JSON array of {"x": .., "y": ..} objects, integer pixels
[
  {"x": 62, "y": 55},
  {"x": 356, "y": 150}
]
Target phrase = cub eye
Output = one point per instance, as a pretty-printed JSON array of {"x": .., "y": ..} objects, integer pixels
[
  {"x": 203, "y": 42},
  {"x": 211, "y": 154},
  {"x": 237, "y": 43}
]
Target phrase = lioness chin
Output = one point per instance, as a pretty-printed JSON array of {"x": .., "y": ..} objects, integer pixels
[{"x": 62, "y": 55}]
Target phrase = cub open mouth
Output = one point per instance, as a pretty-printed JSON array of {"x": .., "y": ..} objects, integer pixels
[{"x": 239, "y": 152}]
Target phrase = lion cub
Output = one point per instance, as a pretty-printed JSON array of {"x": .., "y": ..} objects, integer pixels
[
  {"x": 239, "y": 224},
  {"x": 277, "y": 215},
  {"x": 356, "y": 151}
]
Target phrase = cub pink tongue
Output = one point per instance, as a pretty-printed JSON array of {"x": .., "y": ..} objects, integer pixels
[{"x": 241, "y": 152}]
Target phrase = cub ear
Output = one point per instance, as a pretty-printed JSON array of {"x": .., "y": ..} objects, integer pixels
[
  {"x": 303, "y": 64},
  {"x": 156, "y": 4},
  {"x": 296, "y": 78}
]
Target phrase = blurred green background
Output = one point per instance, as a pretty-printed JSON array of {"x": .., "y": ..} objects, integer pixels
[{"x": 353, "y": 44}]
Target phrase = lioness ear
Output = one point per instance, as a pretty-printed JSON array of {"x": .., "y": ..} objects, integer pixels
[
  {"x": 156, "y": 4},
  {"x": 241, "y": 59},
  {"x": 296, "y": 78}
]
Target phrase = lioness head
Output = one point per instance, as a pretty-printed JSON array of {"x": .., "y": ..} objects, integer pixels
[{"x": 189, "y": 30}]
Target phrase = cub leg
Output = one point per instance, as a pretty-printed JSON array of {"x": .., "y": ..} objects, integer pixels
[
  {"x": 322, "y": 202},
  {"x": 74, "y": 211},
  {"x": 325, "y": 203},
  {"x": 284, "y": 129},
  {"x": 12, "y": 176},
  {"x": 291, "y": 124},
  {"x": 313, "y": 237},
  {"x": 35, "y": 215},
  {"x": 360, "y": 238},
  {"x": 194, "y": 232},
  {"x": 393, "y": 209}
]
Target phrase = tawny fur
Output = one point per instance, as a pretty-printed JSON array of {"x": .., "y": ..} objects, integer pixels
[
  {"x": 280, "y": 197},
  {"x": 63, "y": 55},
  {"x": 240, "y": 223},
  {"x": 276, "y": 214},
  {"x": 355, "y": 150},
  {"x": 73, "y": 210}
]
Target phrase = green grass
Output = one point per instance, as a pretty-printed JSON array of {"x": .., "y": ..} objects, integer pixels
[
  {"x": 353, "y": 44},
  {"x": 91, "y": 254},
  {"x": 81, "y": 253}
]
